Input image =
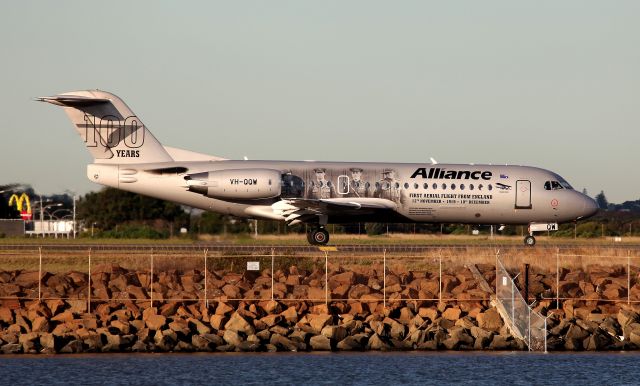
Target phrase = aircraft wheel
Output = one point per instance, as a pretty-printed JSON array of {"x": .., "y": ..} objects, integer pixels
[
  {"x": 310, "y": 238},
  {"x": 319, "y": 236},
  {"x": 529, "y": 241}
]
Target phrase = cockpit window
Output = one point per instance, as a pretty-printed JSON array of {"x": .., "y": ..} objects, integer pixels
[
  {"x": 555, "y": 185},
  {"x": 566, "y": 185}
]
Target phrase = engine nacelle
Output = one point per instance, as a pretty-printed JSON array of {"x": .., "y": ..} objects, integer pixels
[{"x": 243, "y": 184}]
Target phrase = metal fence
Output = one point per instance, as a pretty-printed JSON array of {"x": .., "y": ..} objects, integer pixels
[
  {"x": 270, "y": 276},
  {"x": 446, "y": 275},
  {"x": 523, "y": 321}
]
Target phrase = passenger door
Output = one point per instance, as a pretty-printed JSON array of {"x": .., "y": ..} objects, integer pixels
[{"x": 523, "y": 194}]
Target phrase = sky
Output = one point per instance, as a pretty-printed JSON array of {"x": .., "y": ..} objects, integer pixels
[{"x": 554, "y": 84}]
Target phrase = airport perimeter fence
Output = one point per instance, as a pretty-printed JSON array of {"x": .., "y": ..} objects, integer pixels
[
  {"x": 202, "y": 277},
  {"x": 439, "y": 275}
]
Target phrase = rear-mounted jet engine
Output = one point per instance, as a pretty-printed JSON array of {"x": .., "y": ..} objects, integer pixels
[{"x": 244, "y": 184}]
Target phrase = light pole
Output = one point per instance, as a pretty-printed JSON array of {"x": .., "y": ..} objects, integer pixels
[{"x": 42, "y": 209}]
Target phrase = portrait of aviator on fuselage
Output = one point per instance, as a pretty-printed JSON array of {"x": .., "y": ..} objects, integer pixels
[
  {"x": 358, "y": 187},
  {"x": 319, "y": 187},
  {"x": 389, "y": 187}
]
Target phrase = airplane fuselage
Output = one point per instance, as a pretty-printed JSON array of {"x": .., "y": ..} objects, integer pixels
[{"x": 452, "y": 193}]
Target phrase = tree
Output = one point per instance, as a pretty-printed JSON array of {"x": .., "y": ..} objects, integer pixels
[
  {"x": 7, "y": 211},
  {"x": 111, "y": 207},
  {"x": 601, "y": 199}
]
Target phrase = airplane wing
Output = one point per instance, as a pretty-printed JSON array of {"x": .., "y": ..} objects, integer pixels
[{"x": 297, "y": 210}]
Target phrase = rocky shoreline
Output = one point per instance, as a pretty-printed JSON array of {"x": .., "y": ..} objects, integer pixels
[{"x": 359, "y": 315}]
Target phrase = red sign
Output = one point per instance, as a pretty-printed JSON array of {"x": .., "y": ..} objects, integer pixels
[{"x": 26, "y": 215}]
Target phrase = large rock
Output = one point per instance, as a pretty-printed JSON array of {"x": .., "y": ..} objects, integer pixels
[
  {"x": 320, "y": 343},
  {"x": 452, "y": 313},
  {"x": 239, "y": 324},
  {"x": 335, "y": 333},
  {"x": 358, "y": 290},
  {"x": 217, "y": 321},
  {"x": 283, "y": 343},
  {"x": 482, "y": 338},
  {"x": 627, "y": 316},
  {"x": 490, "y": 320},
  {"x": 155, "y": 322},
  {"x": 318, "y": 322},
  {"x": 40, "y": 324},
  {"x": 377, "y": 343},
  {"x": 290, "y": 314},
  {"x": 48, "y": 342},
  {"x": 596, "y": 341},
  {"x": 351, "y": 343},
  {"x": 396, "y": 330},
  {"x": 500, "y": 342},
  {"x": 232, "y": 337},
  {"x": 11, "y": 348},
  {"x": 345, "y": 278},
  {"x": 199, "y": 326},
  {"x": 6, "y": 315},
  {"x": 28, "y": 279},
  {"x": 73, "y": 347},
  {"x": 429, "y": 313}
]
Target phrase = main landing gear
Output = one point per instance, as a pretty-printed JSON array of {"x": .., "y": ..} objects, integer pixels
[{"x": 318, "y": 236}]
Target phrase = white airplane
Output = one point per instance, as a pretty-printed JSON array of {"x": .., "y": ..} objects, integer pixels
[{"x": 128, "y": 157}]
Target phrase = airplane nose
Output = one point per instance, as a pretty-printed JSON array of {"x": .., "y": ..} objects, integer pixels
[{"x": 590, "y": 207}]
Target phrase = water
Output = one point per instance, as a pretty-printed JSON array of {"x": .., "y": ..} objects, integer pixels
[{"x": 518, "y": 368}]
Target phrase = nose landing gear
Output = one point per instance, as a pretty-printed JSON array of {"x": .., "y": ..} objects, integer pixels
[
  {"x": 318, "y": 236},
  {"x": 529, "y": 241}
]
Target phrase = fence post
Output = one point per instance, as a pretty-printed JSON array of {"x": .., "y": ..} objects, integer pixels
[
  {"x": 513, "y": 301},
  {"x": 89, "y": 287},
  {"x": 39, "y": 274},
  {"x": 557, "y": 278},
  {"x": 545, "y": 335},
  {"x": 272, "y": 268},
  {"x": 529, "y": 329},
  {"x": 497, "y": 297},
  {"x": 151, "y": 280},
  {"x": 439, "y": 277},
  {"x": 384, "y": 279},
  {"x": 326, "y": 278},
  {"x": 206, "y": 293}
]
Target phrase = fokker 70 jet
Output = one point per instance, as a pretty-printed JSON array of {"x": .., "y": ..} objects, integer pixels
[{"x": 128, "y": 157}]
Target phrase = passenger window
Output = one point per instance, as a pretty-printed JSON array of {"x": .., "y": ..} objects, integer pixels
[
  {"x": 406, "y": 185},
  {"x": 426, "y": 186},
  {"x": 397, "y": 185},
  {"x": 444, "y": 186},
  {"x": 547, "y": 185},
  {"x": 453, "y": 186},
  {"x": 435, "y": 186},
  {"x": 470, "y": 186},
  {"x": 480, "y": 187},
  {"x": 490, "y": 187},
  {"x": 461, "y": 186}
]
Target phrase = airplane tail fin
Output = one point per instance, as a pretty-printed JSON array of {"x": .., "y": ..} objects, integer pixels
[{"x": 110, "y": 130}]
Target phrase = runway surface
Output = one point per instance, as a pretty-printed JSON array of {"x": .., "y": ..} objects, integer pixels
[{"x": 233, "y": 248}]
